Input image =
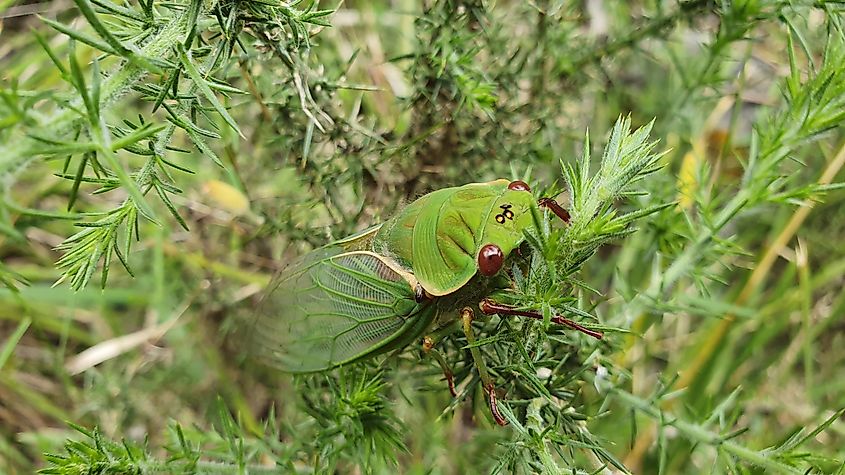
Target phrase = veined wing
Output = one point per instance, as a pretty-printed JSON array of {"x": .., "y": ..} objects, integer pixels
[
  {"x": 332, "y": 307},
  {"x": 359, "y": 241}
]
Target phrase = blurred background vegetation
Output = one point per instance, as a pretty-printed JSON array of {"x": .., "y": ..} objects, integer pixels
[{"x": 204, "y": 144}]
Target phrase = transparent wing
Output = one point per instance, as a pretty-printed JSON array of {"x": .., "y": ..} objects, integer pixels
[{"x": 331, "y": 307}]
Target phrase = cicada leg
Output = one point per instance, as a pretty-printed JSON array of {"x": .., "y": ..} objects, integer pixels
[
  {"x": 555, "y": 208},
  {"x": 467, "y": 315},
  {"x": 429, "y": 350},
  {"x": 490, "y": 307}
]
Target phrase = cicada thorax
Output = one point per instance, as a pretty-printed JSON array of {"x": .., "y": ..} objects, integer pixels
[{"x": 450, "y": 235}]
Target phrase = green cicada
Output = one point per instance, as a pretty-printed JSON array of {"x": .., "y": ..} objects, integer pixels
[{"x": 390, "y": 285}]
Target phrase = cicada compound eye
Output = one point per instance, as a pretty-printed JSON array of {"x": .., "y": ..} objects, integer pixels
[
  {"x": 519, "y": 185},
  {"x": 490, "y": 260}
]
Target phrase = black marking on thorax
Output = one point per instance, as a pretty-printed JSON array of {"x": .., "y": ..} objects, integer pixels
[{"x": 506, "y": 213}]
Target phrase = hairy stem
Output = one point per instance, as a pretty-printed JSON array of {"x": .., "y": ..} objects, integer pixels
[{"x": 702, "y": 435}]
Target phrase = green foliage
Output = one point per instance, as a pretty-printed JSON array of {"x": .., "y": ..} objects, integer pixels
[
  {"x": 203, "y": 144},
  {"x": 96, "y": 456},
  {"x": 356, "y": 422},
  {"x": 627, "y": 159},
  {"x": 167, "y": 40}
]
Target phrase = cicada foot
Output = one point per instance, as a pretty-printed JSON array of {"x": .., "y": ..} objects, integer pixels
[
  {"x": 450, "y": 381},
  {"x": 490, "y": 307},
  {"x": 428, "y": 349},
  {"x": 555, "y": 208},
  {"x": 494, "y": 406}
]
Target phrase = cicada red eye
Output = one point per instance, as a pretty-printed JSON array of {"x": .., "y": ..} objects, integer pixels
[
  {"x": 519, "y": 185},
  {"x": 490, "y": 259}
]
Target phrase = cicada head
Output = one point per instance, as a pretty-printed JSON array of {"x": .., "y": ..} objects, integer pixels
[
  {"x": 449, "y": 235},
  {"x": 509, "y": 215}
]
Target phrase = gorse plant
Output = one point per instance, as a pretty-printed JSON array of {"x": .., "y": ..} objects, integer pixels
[
  {"x": 203, "y": 145},
  {"x": 184, "y": 45}
]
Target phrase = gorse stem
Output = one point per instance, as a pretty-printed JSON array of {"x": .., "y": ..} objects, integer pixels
[{"x": 702, "y": 435}]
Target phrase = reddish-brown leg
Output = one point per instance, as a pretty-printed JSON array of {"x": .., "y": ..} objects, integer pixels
[
  {"x": 555, "y": 208},
  {"x": 494, "y": 407},
  {"x": 467, "y": 316},
  {"x": 428, "y": 349},
  {"x": 490, "y": 307}
]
